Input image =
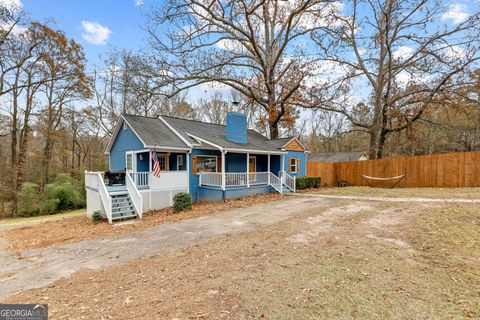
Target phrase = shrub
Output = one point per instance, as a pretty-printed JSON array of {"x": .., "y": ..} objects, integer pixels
[
  {"x": 49, "y": 206},
  {"x": 182, "y": 201},
  {"x": 96, "y": 216},
  {"x": 28, "y": 200},
  {"x": 307, "y": 182},
  {"x": 65, "y": 195}
]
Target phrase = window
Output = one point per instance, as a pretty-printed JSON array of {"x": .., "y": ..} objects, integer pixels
[
  {"x": 162, "y": 161},
  {"x": 179, "y": 162},
  {"x": 293, "y": 167},
  {"x": 129, "y": 162},
  {"x": 206, "y": 164}
]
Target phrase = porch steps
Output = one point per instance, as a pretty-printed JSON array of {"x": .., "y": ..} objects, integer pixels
[{"x": 122, "y": 207}]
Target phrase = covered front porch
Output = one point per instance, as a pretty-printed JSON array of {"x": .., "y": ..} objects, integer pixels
[
  {"x": 241, "y": 173},
  {"x": 174, "y": 167}
]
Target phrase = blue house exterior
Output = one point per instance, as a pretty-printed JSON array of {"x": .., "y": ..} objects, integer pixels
[{"x": 209, "y": 161}]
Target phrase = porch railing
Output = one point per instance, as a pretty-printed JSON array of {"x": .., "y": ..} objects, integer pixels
[
  {"x": 210, "y": 179},
  {"x": 105, "y": 197},
  {"x": 287, "y": 180},
  {"x": 91, "y": 180},
  {"x": 140, "y": 179},
  {"x": 233, "y": 179},
  {"x": 134, "y": 194}
]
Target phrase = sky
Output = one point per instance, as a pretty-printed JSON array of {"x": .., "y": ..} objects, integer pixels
[{"x": 101, "y": 25}]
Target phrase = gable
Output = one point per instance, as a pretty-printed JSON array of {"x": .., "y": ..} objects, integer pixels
[{"x": 294, "y": 145}]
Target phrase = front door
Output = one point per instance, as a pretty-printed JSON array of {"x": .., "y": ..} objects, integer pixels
[{"x": 252, "y": 165}]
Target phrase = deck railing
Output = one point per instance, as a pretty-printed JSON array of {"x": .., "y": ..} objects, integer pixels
[
  {"x": 91, "y": 180},
  {"x": 134, "y": 194},
  {"x": 287, "y": 180},
  {"x": 105, "y": 197},
  {"x": 233, "y": 179},
  {"x": 140, "y": 178}
]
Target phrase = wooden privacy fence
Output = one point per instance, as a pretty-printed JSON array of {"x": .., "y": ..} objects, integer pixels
[{"x": 461, "y": 169}]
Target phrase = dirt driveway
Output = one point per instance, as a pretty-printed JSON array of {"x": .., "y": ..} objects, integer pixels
[
  {"x": 295, "y": 258},
  {"x": 40, "y": 267}
]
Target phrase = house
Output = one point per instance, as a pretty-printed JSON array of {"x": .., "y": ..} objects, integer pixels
[
  {"x": 209, "y": 161},
  {"x": 337, "y": 156}
]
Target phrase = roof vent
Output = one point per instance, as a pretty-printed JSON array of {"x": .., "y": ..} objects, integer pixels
[{"x": 236, "y": 127}]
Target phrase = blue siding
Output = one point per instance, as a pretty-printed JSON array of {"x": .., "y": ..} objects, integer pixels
[
  {"x": 236, "y": 127},
  {"x": 142, "y": 164},
  {"x": 217, "y": 194},
  {"x": 275, "y": 164},
  {"x": 302, "y": 162},
  {"x": 194, "y": 187},
  {"x": 126, "y": 140},
  {"x": 236, "y": 162},
  {"x": 172, "y": 162}
]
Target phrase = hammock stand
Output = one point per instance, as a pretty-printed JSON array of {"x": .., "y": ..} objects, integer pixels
[{"x": 398, "y": 178}]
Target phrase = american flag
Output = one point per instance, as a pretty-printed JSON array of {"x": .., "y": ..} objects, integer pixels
[{"x": 156, "y": 164}]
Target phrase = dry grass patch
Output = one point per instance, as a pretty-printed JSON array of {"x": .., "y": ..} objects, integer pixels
[
  {"x": 435, "y": 193},
  {"x": 340, "y": 273},
  {"x": 80, "y": 228}
]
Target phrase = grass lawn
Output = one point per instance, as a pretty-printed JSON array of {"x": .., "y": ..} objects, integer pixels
[
  {"x": 355, "y": 261},
  {"x": 438, "y": 193},
  {"x": 39, "y": 219}
]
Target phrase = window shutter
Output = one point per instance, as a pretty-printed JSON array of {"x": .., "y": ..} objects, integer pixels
[
  {"x": 219, "y": 164},
  {"x": 194, "y": 164},
  {"x": 298, "y": 164}
]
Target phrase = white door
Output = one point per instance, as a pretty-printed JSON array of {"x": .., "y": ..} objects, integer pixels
[{"x": 130, "y": 162}]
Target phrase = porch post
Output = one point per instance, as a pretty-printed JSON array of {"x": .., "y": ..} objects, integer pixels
[
  {"x": 268, "y": 175},
  {"x": 283, "y": 163},
  {"x": 223, "y": 170},
  {"x": 149, "y": 173},
  {"x": 248, "y": 170},
  {"x": 187, "y": 159}
]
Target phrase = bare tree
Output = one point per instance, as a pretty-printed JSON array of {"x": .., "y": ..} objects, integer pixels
[
  {"x": 259, "y": 48},
  {"x": 63, "y": 64},
  {"x": 396, "y": 56}
]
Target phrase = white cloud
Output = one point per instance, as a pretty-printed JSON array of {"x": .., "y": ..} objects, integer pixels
[
  {"x": 12, "y": 4},
  {"x": 95, "y": 33},
  {"x": 138, "y": 3},
  {"x": 402, "y": 52},
  {"x": 455, "y": 52},
  {"x": 456, "y": 12}
]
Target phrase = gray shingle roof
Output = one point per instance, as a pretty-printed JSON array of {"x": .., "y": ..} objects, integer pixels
[
  {"x": 153, "y": 131},
  {"x": 216, "y": 134},
  {"x": 335, "y": 156}
]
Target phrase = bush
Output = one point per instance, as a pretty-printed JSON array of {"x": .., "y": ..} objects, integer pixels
[
  {"x": 96, "y": 216},
  {"x": 182, "y": 201},
  {"x": 65, "y": 195},
  {"x": 49, "y": 206},
  {"x": 307, "y": 182},
  {"x": 28, "y": 200}
]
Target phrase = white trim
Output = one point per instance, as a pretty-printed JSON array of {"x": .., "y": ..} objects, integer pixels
[
  {"x": 175, "y": 131},
  {"x": 134, "y": 162},
  {"x": 255, "y": 151},
  {"x": 248, "y": 170},
  {"x": 205, "y": 141},
  {"x": 114, "y": 134},
  {"x": 179, "y": 156},
  {"x": 167, "y": 148},
  {"x": 297, "y": 160},
  {"x": 223, "y": 171}
]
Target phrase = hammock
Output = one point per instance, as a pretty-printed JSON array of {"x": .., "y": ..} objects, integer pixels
[{"x": 398, "y": 178}]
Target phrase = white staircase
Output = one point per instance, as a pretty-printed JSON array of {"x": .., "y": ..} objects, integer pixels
[{"x": 284, "y": 183}]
